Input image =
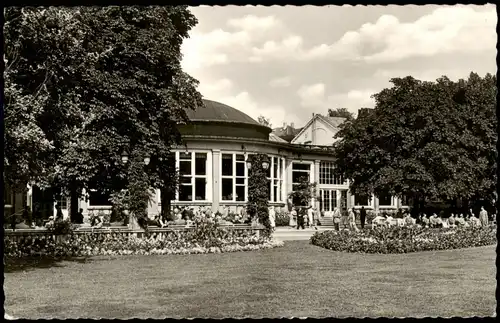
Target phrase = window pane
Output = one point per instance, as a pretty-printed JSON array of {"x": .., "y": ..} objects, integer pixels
[
  {"x": 184, "y": 155},
  {"x": 200, "y": 189},
  {"x": 275, "y": 192},
  {"x": 240, "y": 169},
  {"x": 200, "y": 164},
  {"x": 296, "y": 176},
  {"x": 301, "y": 166},
  {"x": 227, "y": 165},
  {"x": 99, "y": 198},
  {"x": 269, "y": 188},
  {"x": 240, "y": 157},
  {"x": 185, "y": 167},
  {"x": 275, "y": 167},
  {"x": 282, "y": 167},
  {"x": 384, "y": 199},
  {"x": 240, "y": 193},
  {"x": 185, "y": 180},
  {"x": 360, "y": 200},
  {"x": 227, "y": 189},
  {"x": 185, "y": 193},
  {"x": 240, "y": 181}
]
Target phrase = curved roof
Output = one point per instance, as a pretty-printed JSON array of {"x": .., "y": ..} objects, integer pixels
[{"x": 219, "y": 112}]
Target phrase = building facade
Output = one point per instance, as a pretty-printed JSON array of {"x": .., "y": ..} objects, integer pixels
[{"x": 213, "y": 171}]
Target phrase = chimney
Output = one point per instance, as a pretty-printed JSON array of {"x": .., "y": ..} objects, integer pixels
[
  {"x": 284, "y": 125},
  {"x": 292, "y": 125},
  {"x": 313, "y": 114}
]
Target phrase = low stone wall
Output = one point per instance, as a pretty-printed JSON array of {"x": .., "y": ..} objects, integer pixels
[{"x": 19, "y": 234}]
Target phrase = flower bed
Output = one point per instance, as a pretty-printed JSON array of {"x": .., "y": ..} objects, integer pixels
[
  {"x": 405, "y": 239},
  {"x": 204, "y": 238}
]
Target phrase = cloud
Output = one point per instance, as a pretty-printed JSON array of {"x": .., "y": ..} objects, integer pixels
[
  {"x": 312, "y": 95},
  {"x": 253, "y": 23},
  {"x": 213, "y": 48},
  {"x": 223, "y": 91},
  {"x": 281, "y": 82},
  {"x": 208, "y": 90},
  {"x": 446, "y": 30},
  {"x": 220, "y": 46},
  {"x": 315, "y": 98}
]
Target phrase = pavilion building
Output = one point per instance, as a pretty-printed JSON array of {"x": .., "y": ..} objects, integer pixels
[{"x": 213, "y": 171}]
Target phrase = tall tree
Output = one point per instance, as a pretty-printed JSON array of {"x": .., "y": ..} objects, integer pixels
[
  {"x": 341, "y": 113},
  {"x": 425, "y": 140},
  {"x": 264, "y": 121},
  {"x": 114, "y": 83}
]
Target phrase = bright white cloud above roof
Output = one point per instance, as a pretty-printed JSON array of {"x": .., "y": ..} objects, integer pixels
[{"x": 248, "y": 56}]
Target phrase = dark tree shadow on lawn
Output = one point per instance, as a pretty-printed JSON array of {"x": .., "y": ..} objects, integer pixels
[{"x": 31, "y": 263}]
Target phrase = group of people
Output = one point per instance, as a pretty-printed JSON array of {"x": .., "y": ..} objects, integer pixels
[
  {"x": 302, "y": 216},
  {"x": 459, "y": 220}
]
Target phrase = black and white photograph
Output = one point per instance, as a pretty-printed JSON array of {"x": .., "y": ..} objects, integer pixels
[{"x": 177, "y": 161}]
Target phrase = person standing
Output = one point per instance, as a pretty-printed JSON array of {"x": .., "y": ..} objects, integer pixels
[
  {"x": 310, "y": 216},
  {"x": 362, "y": 217},
  {"x": 352, "y": 220},
  {"x": 300, "y": 218},
  {"x": 483, "y": 217},
  {"x": 336, "y": 218},
  {"x": 59, "y": 214},
  {"x": 345, "y": 219},
  {"x": 293, "y": 218}
]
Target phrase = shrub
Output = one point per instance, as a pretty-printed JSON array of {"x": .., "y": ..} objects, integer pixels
[
  {"x": 405, "y": 239},
  {"x": 282, "y": 219},
  {"x": 60, "y": 227}
]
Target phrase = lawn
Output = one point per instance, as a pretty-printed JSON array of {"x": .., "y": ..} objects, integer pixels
[{"x": 297, "y": 280}]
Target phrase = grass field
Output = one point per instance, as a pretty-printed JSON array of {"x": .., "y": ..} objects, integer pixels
[{"x": 298, "y": 280}]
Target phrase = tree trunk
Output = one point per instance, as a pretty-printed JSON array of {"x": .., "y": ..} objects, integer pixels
[
  {"x": 166, "y": 203},
  {"x": 73, "y": 204}
]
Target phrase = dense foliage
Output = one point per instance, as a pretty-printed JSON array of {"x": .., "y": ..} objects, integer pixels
[
  {"x": 205, "y": 237},
  {"x": 264, "y": 121},
  {"x": 341, "y": 113},
  {"x": 258, "y": 191},
  {"x": 303, "y": 192},
  {"x": 425, "y": 140},
  {"x": 84, "y": 84},
  {"x": 405, "y": 239}
]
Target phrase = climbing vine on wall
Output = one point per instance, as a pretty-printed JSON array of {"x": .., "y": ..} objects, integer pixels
[{"x": 258, "y": 191}]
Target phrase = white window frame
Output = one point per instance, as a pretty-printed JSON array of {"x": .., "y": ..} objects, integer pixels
[
  {"x": 95, "y": 206},
  {"x": 233, "y": 176},
  {"x": 392, "y": 206},
  {"x": 371, "y": 204},
  {"x": 333, "y": 202},
  {"x": 208, "y": 191},
  {"x": 310, "y": 172},
  {"x": 331, "y": 166},
  {"x": 279, "y": 178}
]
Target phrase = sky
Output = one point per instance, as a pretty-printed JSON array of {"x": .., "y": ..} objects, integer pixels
[{"x": 286, "y": 63}]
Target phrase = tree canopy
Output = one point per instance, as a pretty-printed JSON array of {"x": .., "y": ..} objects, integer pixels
[
  {"x": 84, "y": 84},
  {"x": 341, "y": 113},
  {"x": 426, "y": 140},
  {"x": 264, "y": 121}
]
